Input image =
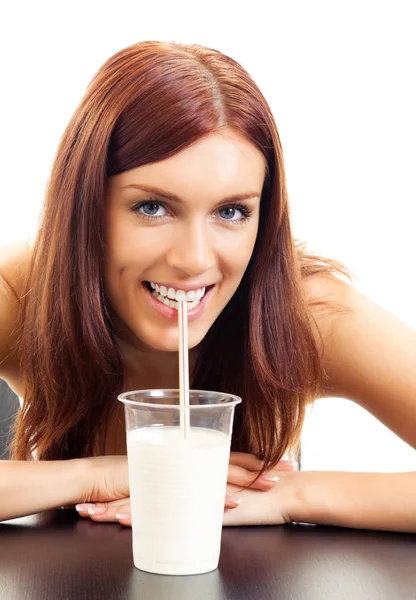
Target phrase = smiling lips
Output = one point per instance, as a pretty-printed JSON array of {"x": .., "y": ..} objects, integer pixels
[{"x": 171, "y": 296}]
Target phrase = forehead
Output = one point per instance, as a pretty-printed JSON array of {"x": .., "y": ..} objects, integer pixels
[{"x": 221, "y": 163}]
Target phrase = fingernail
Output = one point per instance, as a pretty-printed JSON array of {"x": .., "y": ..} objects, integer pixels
[
  {"x": 270, "y": 477},
  {"x": 97, "y": 510},
  {"x": 82, "y": 507},
  {"x": 235, "y": 499},
  {"x": 123, "y": 516}
]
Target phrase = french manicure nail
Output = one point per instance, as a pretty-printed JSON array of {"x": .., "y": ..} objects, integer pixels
[
  {"x": 270, "y": 477},
  {"x": 97, "y": 510},
  {"x": 83, "y": 507},
  {"x": 235, "y": 499},
  {"x": 123, "y": 516}
]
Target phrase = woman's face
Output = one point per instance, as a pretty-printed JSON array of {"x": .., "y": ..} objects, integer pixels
[{"x": 188, "y": 236}]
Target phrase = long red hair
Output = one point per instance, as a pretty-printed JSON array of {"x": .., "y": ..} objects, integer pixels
[{"x": 146, "y": 103}]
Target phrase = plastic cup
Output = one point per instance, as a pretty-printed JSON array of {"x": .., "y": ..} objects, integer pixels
[{"x": 177, "y": 485}]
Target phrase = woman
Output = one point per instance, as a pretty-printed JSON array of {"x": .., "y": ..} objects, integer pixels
[{"x": 170, "y": 177}]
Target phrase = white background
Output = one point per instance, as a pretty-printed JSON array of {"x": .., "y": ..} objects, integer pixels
[{"x": 339, "y": 77}]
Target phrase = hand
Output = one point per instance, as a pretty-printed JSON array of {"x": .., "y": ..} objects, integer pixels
[
  {"x": 269, "y": 508},
  {"x": 243, "y": 469},
  {"x": 103, "y": 478},
  {"x": 253, "y": 508},
  {"x": 108, "y": 486}
]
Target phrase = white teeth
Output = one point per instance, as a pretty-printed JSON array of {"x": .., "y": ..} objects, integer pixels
[
  {"x": 172, "y": 303},
  {"x": 172, "y": 294},
  {"x": 172, "y": 297},
  {"x": 180, "y": 296}
]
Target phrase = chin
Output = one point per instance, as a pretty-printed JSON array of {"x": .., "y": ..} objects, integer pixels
[{"x": 170, "y": 343}]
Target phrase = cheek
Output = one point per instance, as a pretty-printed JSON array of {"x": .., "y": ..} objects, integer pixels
[
  {"x": 127, "y": 245},
  {"x": 234, "y": 263},
  {"x": 242, "y": 252},
  {"x": 120, "y": 238}
]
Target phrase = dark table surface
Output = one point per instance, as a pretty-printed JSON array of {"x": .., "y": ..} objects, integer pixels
[{"x": 56, "y": 555}]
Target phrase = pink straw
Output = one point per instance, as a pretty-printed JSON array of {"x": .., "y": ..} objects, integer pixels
[{"x": 183, "y": 368}]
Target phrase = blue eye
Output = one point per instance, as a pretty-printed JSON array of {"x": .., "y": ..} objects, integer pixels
[
  {"x": 228, "y": 213},
  {"x": 150, "y": 209},
  {"x": 154, "y": 209},
  {"x": 235, "y": 213}
]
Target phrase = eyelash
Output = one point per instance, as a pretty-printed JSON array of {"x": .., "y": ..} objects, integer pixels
[{"x": 243, "y": 208}]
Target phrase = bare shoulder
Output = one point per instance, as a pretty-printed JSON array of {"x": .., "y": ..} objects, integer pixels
[
  {"x": 330, "y": 301},
  {"x": 369, "y": 354},
  {"x": 14, "y": 261}
]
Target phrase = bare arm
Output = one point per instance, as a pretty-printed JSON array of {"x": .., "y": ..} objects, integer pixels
[
  {"x": 33, "y": 486},
  {"x": 380, "y": 501},
  {"x": 385, "y": 501},
  {"x": 370, "y": 357},
  {"x": 13, "y": 265}
]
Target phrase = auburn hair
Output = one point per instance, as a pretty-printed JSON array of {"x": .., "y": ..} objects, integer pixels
[{"x": 146, "y": 103}]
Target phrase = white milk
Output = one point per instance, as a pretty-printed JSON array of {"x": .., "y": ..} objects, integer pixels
[{"x": 177, "y": 490}]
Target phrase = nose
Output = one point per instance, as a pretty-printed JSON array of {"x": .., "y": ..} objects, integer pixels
[{"x": 191, "y": 251}]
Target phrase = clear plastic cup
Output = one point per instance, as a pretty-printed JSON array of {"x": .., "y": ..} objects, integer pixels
[{"x": 177, "y": 485}]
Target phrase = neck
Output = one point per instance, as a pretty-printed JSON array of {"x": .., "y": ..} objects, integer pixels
[{"x": 147, "y": 368}]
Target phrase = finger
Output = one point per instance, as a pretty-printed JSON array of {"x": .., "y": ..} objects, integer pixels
[
  {"x": 82, "y": 509},
  {"x": 243, "y": 478},
  {"x": 247, "y": 461},
  {"x": 104, "y": 511},
  {"x": 87, "y": 509},
  {"x": 112, "y": 514},
  {"x": 124, "y": 519},
  {"x": 232, "y": 501},
  {"x": 251, "y": 463},
  {"x": 284, "y": 465}
]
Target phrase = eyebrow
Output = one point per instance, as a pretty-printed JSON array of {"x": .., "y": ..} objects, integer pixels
[{"x": 172, "y": 197}]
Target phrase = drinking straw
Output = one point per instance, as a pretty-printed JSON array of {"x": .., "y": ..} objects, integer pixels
[{"x": 183, "y": 368}]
